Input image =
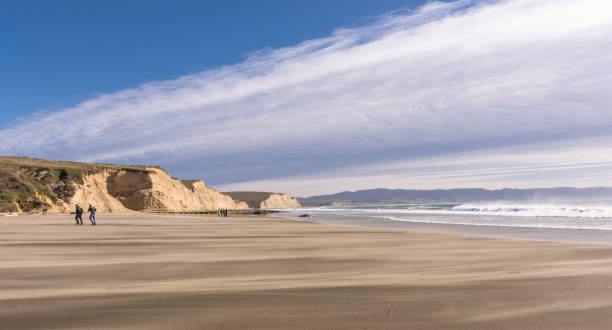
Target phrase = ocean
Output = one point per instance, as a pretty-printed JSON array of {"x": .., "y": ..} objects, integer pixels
[{"x": 584, "y": 221}]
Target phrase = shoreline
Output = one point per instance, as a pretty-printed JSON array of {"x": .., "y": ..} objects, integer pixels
[
  {"x": 535, "y": 234},
  {"x": 153, "y": 271}
]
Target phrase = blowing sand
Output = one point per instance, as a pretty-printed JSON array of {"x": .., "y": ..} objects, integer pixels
[{"x": 206, "y": 272}]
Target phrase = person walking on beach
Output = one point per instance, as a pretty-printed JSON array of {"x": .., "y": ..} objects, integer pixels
[
  {"x": 92, "y": 215},
  {"x": 79, "y": 215}
]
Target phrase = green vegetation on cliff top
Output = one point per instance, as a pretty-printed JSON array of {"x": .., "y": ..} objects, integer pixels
[{"x": 10, "y": 161}]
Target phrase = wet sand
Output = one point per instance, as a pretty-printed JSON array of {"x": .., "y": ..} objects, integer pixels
[
  {"x": 421, "y": 221},
  {"x": 247, "y": 272}
]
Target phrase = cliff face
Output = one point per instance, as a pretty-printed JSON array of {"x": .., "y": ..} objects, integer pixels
[
  {"x": 155, "y": 189},
  {"x": 94, "y": 190},
  {"x": 265, "y": 200},
  {"x": 279, "y": 201},
  {"x": 46, "y": 186}
]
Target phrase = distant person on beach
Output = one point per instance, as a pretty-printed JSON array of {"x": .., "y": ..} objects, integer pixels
[
  {"x": 79, "y": 215},
  {"x": 92, "y": 215}
]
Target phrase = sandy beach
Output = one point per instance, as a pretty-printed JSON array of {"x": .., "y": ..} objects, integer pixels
[{"x": 248, "y": 272}]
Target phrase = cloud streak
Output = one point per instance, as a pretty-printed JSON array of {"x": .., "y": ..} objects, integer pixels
[{"x": 446, "y": 78}]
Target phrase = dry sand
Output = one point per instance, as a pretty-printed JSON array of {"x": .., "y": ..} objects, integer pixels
[{"x": 206, "y": 272}]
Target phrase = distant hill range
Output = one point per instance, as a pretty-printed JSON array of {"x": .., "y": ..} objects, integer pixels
[{"x": 379, "y": 196}]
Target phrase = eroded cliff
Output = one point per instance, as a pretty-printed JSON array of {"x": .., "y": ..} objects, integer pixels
[
  {"x": 156, "y": 190},
  {"x": 265, "y": 200},
  {"x": 32, "y": 185}
]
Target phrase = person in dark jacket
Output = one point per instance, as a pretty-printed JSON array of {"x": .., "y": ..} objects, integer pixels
[
  {"x": 79, "y": 215},
  {"x": 92, "y": 214}
]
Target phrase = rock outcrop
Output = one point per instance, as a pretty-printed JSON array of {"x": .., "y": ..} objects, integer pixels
[
  {"x": 279, "y": 201},
  {"x": 265, "y": 200},
  {"x": 28, "y": 185}
]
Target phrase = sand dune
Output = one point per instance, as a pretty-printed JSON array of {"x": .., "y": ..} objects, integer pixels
[{"x": 205, "y": 272}]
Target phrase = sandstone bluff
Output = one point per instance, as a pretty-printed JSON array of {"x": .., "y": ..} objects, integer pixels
[
  {"x": 265, "y": 200},
  {"x": 37, "y": 185}
]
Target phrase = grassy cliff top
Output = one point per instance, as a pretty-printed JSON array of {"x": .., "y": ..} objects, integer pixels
[{"x": 11, "y": 161}]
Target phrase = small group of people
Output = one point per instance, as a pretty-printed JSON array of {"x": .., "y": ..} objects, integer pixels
[
  {"x": 79, "y": 215},
  {"x": 222, "y": 213}
]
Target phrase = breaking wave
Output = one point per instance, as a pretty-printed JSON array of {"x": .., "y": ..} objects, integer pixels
[{"x": 554, "y": 210}]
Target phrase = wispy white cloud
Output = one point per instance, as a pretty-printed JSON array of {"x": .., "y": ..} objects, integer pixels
[
  {"x": 448, "y": 77},
  {"x": 579, "y": 163}
]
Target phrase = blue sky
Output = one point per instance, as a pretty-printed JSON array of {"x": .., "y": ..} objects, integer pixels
[
  {"x": 317, "y": 97},
  {"x": 56, "y": 54}
]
